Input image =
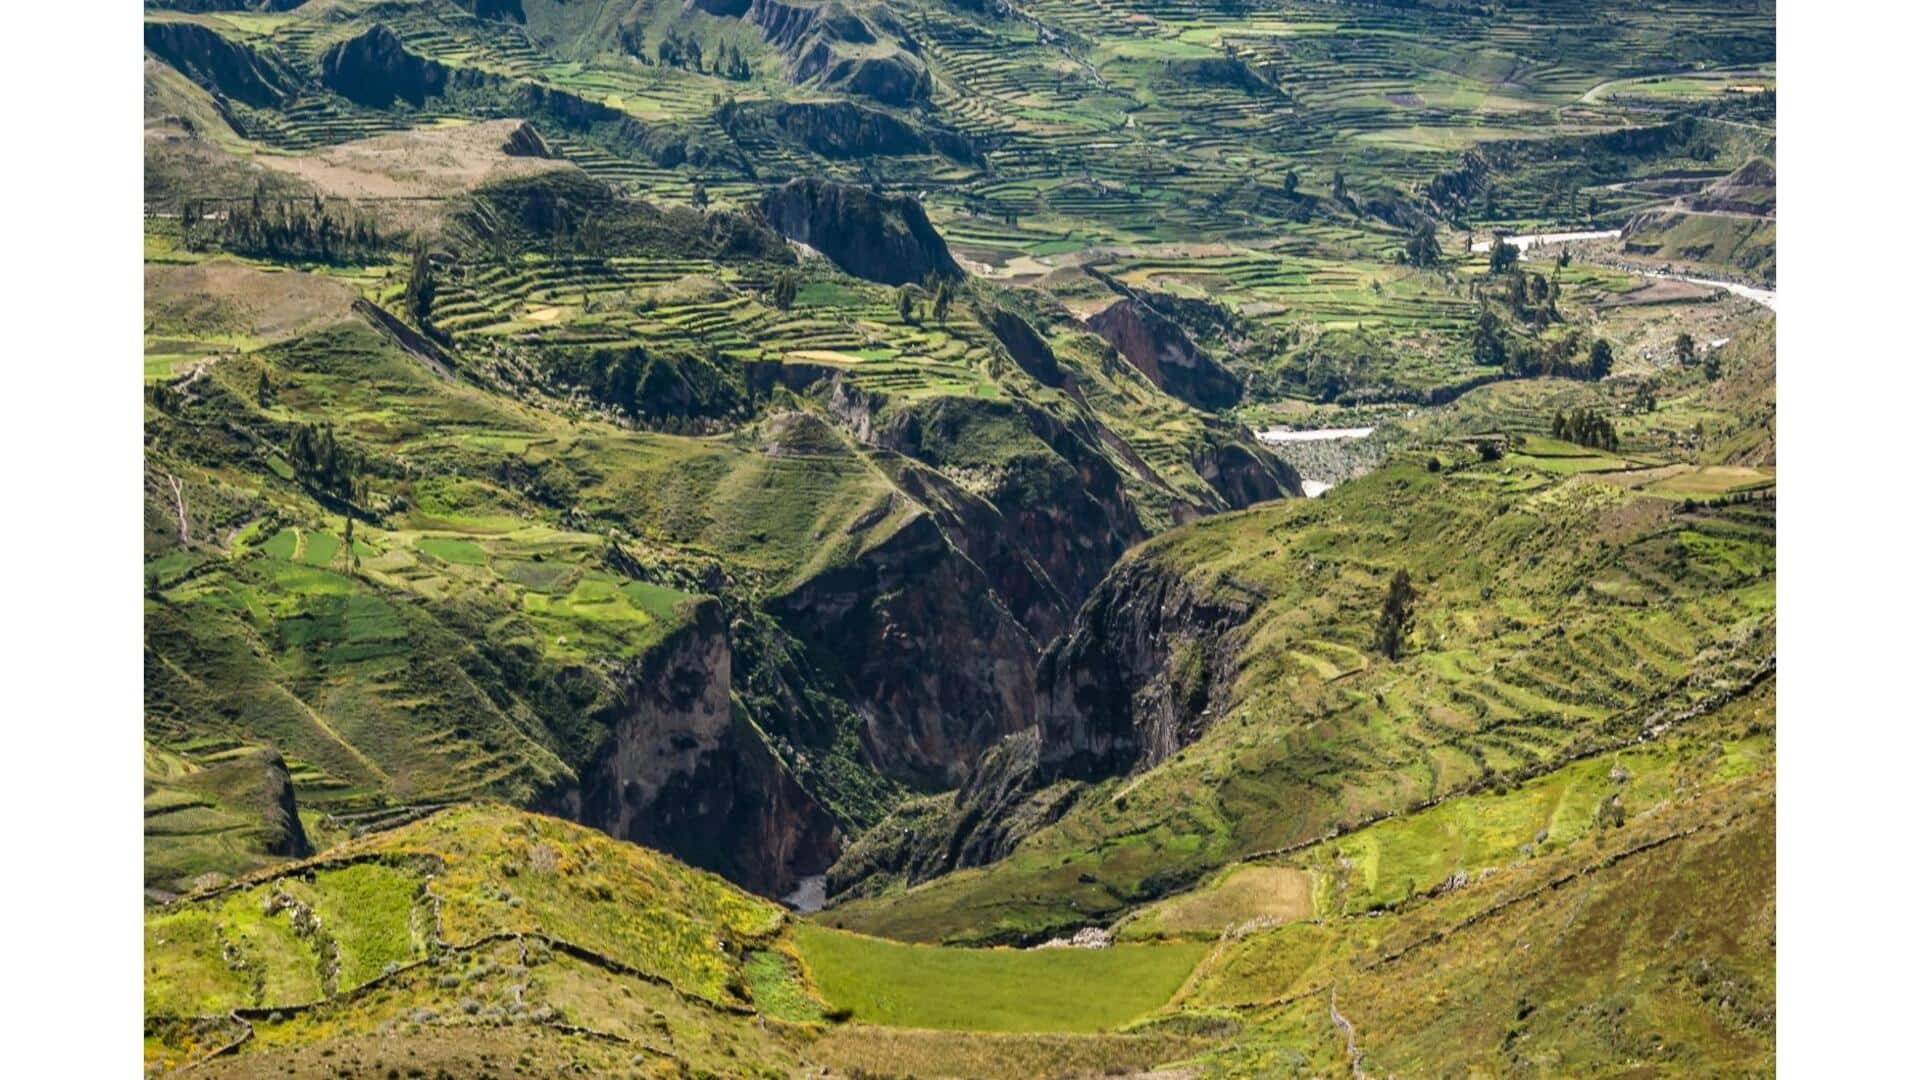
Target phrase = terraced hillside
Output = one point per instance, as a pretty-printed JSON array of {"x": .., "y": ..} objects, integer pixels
[{"x": 610, "y": 465}]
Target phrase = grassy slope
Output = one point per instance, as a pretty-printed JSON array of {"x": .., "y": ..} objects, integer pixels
[
  {"x": 920, "y": 986},
  {"x": 522, "y": 929},
  {"x": 1636, "y": 938},
  {"x": 1560, "y": 610}
]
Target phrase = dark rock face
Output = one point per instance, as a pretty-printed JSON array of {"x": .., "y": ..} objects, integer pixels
[
  {"x": 938, "y": 667},
  {"x": 231, "y": 70},
  {"x": 884, "y": 238},
  {"x": 839, "y": 130},
  {"x": 978, "y": 824},
  {"x": 287, "y": 836},
  {"x": 1242, "y": 471},
  {"x": 1147, "y": 660},
  {"x": 1215, "y": 71},
  {"x": 1058, "y": 513},
  {"x": 376, "y": 70},
  {"x": 1025, "y": 345},
  {"x": 1165, "y": 354},
  {"x": 526, "y": 142},
  {"x": 497, "y": 10},
  {"x": 678, "y": 771}
]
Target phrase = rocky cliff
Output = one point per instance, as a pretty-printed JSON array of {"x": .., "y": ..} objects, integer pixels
[
  {"x": 1149, "y": 660},
  {"x": 222, "y": 66},
  {"x": 884, "y": 238},
  {"x": 840, "y": 130},
  {"x": 938, "y": 667},
  {"x": 679, "y": 771},
  {"x": 867, "y": 53},
  {"x": 978, "y": 824},
  {"x": 1165, "y": 354},
  {"x": 1147, "y": 663},
  {"x": 374, "y": 69}
]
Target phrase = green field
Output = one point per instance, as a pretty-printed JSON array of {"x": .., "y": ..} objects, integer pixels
[{"x": 1062, "y": 989}]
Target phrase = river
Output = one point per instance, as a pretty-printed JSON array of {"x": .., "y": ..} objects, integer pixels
[{"x": 1529, "y": 240}]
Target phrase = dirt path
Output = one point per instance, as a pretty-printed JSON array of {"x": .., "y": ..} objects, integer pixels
[
  {"x": 328, "y": 730},
  {"x": 1346, "y": 1028},
  {"x": 180, "y": 509}
]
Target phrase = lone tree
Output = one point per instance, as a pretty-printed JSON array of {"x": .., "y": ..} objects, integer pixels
[
  {"x": 1291, "y": 184},
  {"x": 942, "y": 291},
  {"x": 1683, "y": 348},
  {"x": 420, "y": 288},
  {"x": 700, "y": 194},
  {"x": 1502, "y": 256},
  {"x": 1390, "y": 633},
  {"x": 1339, "y": 185},
  {"x": 786, "y": 286},
  {"x": 1423, "y": 247},
  {"x": 905, "y": 304},
  {"x": 1599, "y": 358}
]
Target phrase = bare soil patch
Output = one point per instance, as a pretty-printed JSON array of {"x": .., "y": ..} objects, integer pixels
[
  {"x": 233, "y": 298},
  {"x": 420, "y": 163}
]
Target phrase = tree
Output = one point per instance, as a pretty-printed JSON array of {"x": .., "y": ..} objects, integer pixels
[
  {"x": 1683, "y": 348},
  {"x": 905, "y": 304},
  {"x": 1390, "y": 633},
  {"x": 1423, "y": 246},
  {"x": 1599, "y": 358},
  {"x": 264, "y": 394},
  {"x": 1643, "y": 399},
  {"x": 1489, "y": 339},
  {"x": 942, "y": 290},
  {"x": 1587, "y": 427},
  {"x": 1502, "y": 255},
  {"x": 700, "y": 194},
  {"x": 420, "y": 288},
  {"x": 1291, "y": 184},
  {"x": 1340, "y": 185},
  {"x": 1712, "y": 365},
  {"x": 785, "y": 288}
]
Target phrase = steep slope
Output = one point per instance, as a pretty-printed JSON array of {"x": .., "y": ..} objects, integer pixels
[
  {"x": 884, "y": 238},
  {"x": 1223, "y": 691}
]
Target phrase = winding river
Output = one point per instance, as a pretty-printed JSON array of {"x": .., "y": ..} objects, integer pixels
[{"x": 1527, "y": 241}]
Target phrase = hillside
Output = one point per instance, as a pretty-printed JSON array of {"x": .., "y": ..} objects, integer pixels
[{"x": 936, "y": 538}]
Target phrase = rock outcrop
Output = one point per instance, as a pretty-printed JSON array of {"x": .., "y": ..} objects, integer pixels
[
  {"x": 1165, "y": 354},
  {"x": 224, "y": 67},
  {"x": 840, "y": 130},
  {"x": 374, "y": 69},
  {"x": 680, "y": 772},
  {"x": 525, "y": 141},
  {"x": 1149, "y": 659},
  {"x": 228, "y": 817},
  {"x": 833, "y": 47},
  {"x": 1024, "y": 344},
  {"x": 937, "y": 666},
  {"x": 884, "y": 238},
  {"x": 980, "y": 823}
]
